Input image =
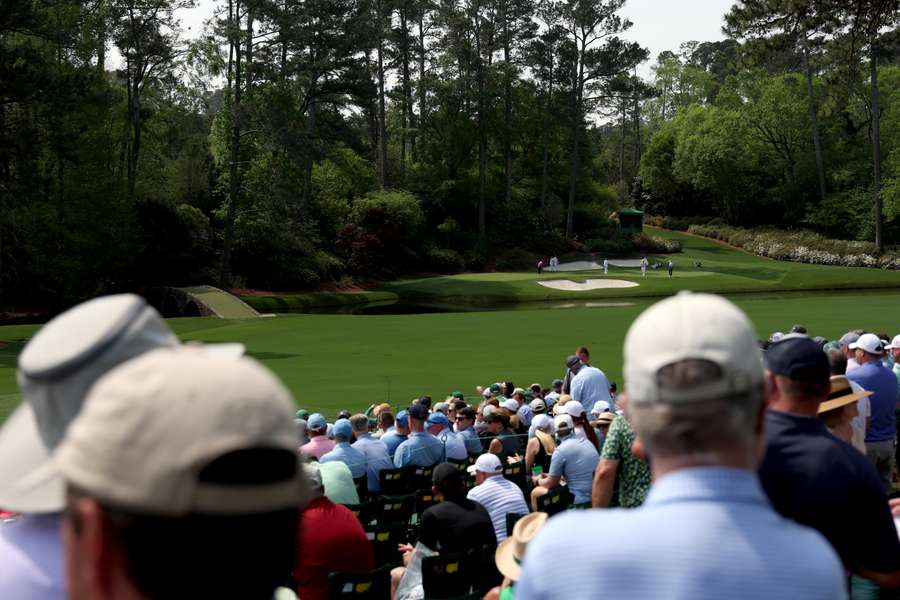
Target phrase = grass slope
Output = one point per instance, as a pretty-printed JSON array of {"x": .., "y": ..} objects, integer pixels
[{"x": 350, "y": 361}]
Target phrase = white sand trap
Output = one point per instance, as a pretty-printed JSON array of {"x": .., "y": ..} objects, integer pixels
[{"x": 590, "y": 284}]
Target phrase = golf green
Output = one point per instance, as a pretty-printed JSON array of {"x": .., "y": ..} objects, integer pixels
[{"x": 331, "y": 362}]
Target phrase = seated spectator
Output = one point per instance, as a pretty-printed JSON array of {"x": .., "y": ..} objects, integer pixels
[
  {"x": 839, "y": 411},
  {"x": 319, "y": 444},
  {"x": 504, "y": 441},
  {"x": 302, "y": 413},
  {"x": 300, "y": 426},
  {"x": 601, "y": 427},
  {"x": 540, "y": 448},
  {"x": 511, "y": 553},
  {"x": 384, "y": 420},
  {"x": 696, "y": 390},
  {"x": 331, "y": 540},
  {"x": 55, "y": 371},
  {"x": 399, "y": 434},
  {"x": 343, "y": 451},
  {"x": 573, "y": 460},
  {"x": 375, "y": 451},
  {"x": 182, "y": 481},
  {"x": 338, "y": 483},
  {"x": 498, "y": 495},
  {"x": 454, "y": 446},
  {"x": 551, "y": 397},
  {"x": 456, "y": 524},
  {"x": 421, "y": 449},
  {"x": 582, "y": 426},
  {"x": 811, "y": 476},
  {"x": 465, "y": 427}
]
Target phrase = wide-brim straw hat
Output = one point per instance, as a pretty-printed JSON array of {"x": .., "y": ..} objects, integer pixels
[
  {"x": 841, "y": 394},
  {"x": 511, "y": 551}
]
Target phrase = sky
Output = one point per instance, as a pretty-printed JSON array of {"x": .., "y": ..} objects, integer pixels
[{"x": 658, "y": 24}]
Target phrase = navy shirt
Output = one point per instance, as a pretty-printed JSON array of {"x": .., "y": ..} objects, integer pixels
[{"x": 818, "y": 480}]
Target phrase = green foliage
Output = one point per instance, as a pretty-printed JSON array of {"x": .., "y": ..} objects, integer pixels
[
  {"x": 652, "y": 244},
  {"x": 515, "y": 259}
]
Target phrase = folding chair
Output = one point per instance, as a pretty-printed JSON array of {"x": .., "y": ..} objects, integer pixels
[
  {"x": 461, "y": 464},
  {"x": 511, "y": 520},
  {"x": 425, "y": 499},
  {"x": 554, "y": 501},
  {"x": 373, "y": 585},
  {"x": 362, "y": 487},
  {"x": 385, "y": 539},
  {"x": 394, "y": 509},
  {"x": 515, "y": 472},
  {"x": 420, "y": 478},
  {"x": 485, "y": 576},
  {"x": 446, "y": 575},
  {"x": 364, "y": 511},
  {"x": 393, "y": 481}
]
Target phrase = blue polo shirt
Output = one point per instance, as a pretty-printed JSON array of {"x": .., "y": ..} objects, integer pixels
[
  {"x": 815, "y": 479},
  {"x": 873, "y": 377},
  {"x": 590, "y": 385},
  {"x": 525, "y": 414},
  {"x": 575, "y": 459},
  {"x": 421, "y": 450},
  {"x": 392, "y": 440},
  {"x": 347, "y": 454},
  {"x": 471, "y": 439},
  {"x": 377, "y": 458}
]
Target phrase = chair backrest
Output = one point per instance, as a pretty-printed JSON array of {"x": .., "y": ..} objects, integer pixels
[
  {"x": 446, "y": 575},
  {"x": 373, "y": 585},
  {"x": 580, "y": 506},
  {"x": 393, "y": 481},
  {"x": 362, "y": 486},
  {"x": 554, "y": 501},
  {"x": 384, "y": 539},
  {"x": 486, "y": 575},
  {"x": 394, "y": 509},
  {"x": 461, "y": 464},
  {"x": 365, "y": 511},
  {"x": 420, "y": 478},
  {"x": 511, "y": 520},
  {"x": 515, "y": 472},
  {"x": 425, "y": 499}
]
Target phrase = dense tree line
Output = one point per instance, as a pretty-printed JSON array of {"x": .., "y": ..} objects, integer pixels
[{"x": 301, "y": 142}]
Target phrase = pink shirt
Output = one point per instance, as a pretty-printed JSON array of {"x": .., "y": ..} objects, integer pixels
[{"x": 317, "y": 447}]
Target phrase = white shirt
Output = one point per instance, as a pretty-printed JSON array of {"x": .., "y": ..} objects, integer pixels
[{"x": 852, "y": 365}]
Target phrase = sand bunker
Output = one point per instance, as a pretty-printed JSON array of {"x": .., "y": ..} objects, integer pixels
[
  {"x": 590, "y": 284},
  {"x": 587, "y": 265}
]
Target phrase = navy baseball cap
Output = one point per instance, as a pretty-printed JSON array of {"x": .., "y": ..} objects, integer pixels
[
  {"x": 798, "y": 358},
  {"x": 418, "y": 411}
]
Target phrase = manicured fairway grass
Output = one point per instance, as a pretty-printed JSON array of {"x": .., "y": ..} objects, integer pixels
[
  {"x": 724, "y": 270},
  {"x": 349, "y": 361}
]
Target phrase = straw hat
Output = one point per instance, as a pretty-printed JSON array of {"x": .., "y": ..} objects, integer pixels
[
  {"x": 558, "y": 408},
  {"x": 841, "y": 394},
  {"x": 511, "y": 551}
]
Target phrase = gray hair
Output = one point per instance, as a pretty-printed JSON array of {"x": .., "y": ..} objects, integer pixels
[
  {"x": 360, "y": 423},
  {"x": 697, "y": 430}
]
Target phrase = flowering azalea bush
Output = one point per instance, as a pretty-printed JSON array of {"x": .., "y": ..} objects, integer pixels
[{"x": 801, "y": 246}]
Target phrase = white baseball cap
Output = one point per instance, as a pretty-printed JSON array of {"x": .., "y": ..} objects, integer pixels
[
  {"x": 600, "y": 406},
  {"x": 487, "y": 463},
  {"x": 150, "y": 426},
  {"x": 895, "y": 343},
  {"x": 563, "y": 423},
  {"x": 574, "y": 408},
  {"x": 56, "y": 369},
  {"x": 511, "y": 404},
  {"x": 869, "y": 342},
  {"x": 691, "y": 326}
]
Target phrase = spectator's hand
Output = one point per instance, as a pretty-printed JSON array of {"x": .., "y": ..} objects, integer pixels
[
  {"x": 895, "y": 506},
  {"x": 404, "y": 548}
]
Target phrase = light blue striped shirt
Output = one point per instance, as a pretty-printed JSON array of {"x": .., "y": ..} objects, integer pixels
[
  {"x": 499, "y": 496},
  {"x": 377, "y": 458},
  {"x": 348, "y": 455},
  {"x": 703, "y": 533}
]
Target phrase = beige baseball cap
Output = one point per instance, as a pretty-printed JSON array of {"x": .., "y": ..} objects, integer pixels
[
  {"x": 150, "y": 426},
  {"x": 691, "y": 326},
  {"x": 56, "y": 369}
]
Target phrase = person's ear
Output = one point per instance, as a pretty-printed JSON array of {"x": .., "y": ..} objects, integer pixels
[
  {"x": 90, "y": 550},
  {"x": 770, "y": 388}
]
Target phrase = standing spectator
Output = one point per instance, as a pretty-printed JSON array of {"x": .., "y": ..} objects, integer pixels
[
  {"x": 706, "y": 530},
  {"x": 872, "y": 376},
  {"x": 182, "y": 481},
  {"x": 584, "y": 356},
  {"x": 894, "y": 349},
  {"x": 331, "y": 540},
  {"x": 605, "y": 266},
  {"x": 589, "y": 384},
  {"x": 465, "y": 427},
  {"x": 540, "y": 267},
  {"x": 399, "y": 434},
  {"x": 454, "y": 446},
  {"x": 55, "y": 371},
  {"x": 344, "y": 452},
  {"x": 644, "y": 267},
  {"x": 573, "y": 460},
  {"x": 810, "y": 476},
  {"x": 670, "y": 267},
  {"x": 375, "y": 451},
  {"x": 421, "y": 448},
  {"x": 496, "y": 493},
  {"x": 839, "y": 411},
  {"x": 618, "y": 462},
  {"x": 319, "y": 443},
  {"x": 601, "y": 427}
]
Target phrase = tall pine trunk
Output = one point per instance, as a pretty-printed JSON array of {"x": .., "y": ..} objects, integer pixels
[
  {"x": 814, "y": 123},
  {"x": 421, "y": 89},
  {"x": 482, "y": 132},
  {"x": 234, "y": 156},
  {"x": 545, "y": 135},
  {"x": 382, "y": 127},
  {"x": 507, "y": 107},
  {"x": 577, "y": 119},
  {"x": 876, "y": 141}
]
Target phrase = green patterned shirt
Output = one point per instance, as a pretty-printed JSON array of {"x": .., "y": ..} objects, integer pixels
[{"x": 633, "y": 474}]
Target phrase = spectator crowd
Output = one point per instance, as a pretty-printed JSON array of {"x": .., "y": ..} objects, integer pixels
[{"x": 138, "y": 467}]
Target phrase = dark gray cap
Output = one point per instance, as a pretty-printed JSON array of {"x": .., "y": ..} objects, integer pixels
[{"x": 572, "y": 362}]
